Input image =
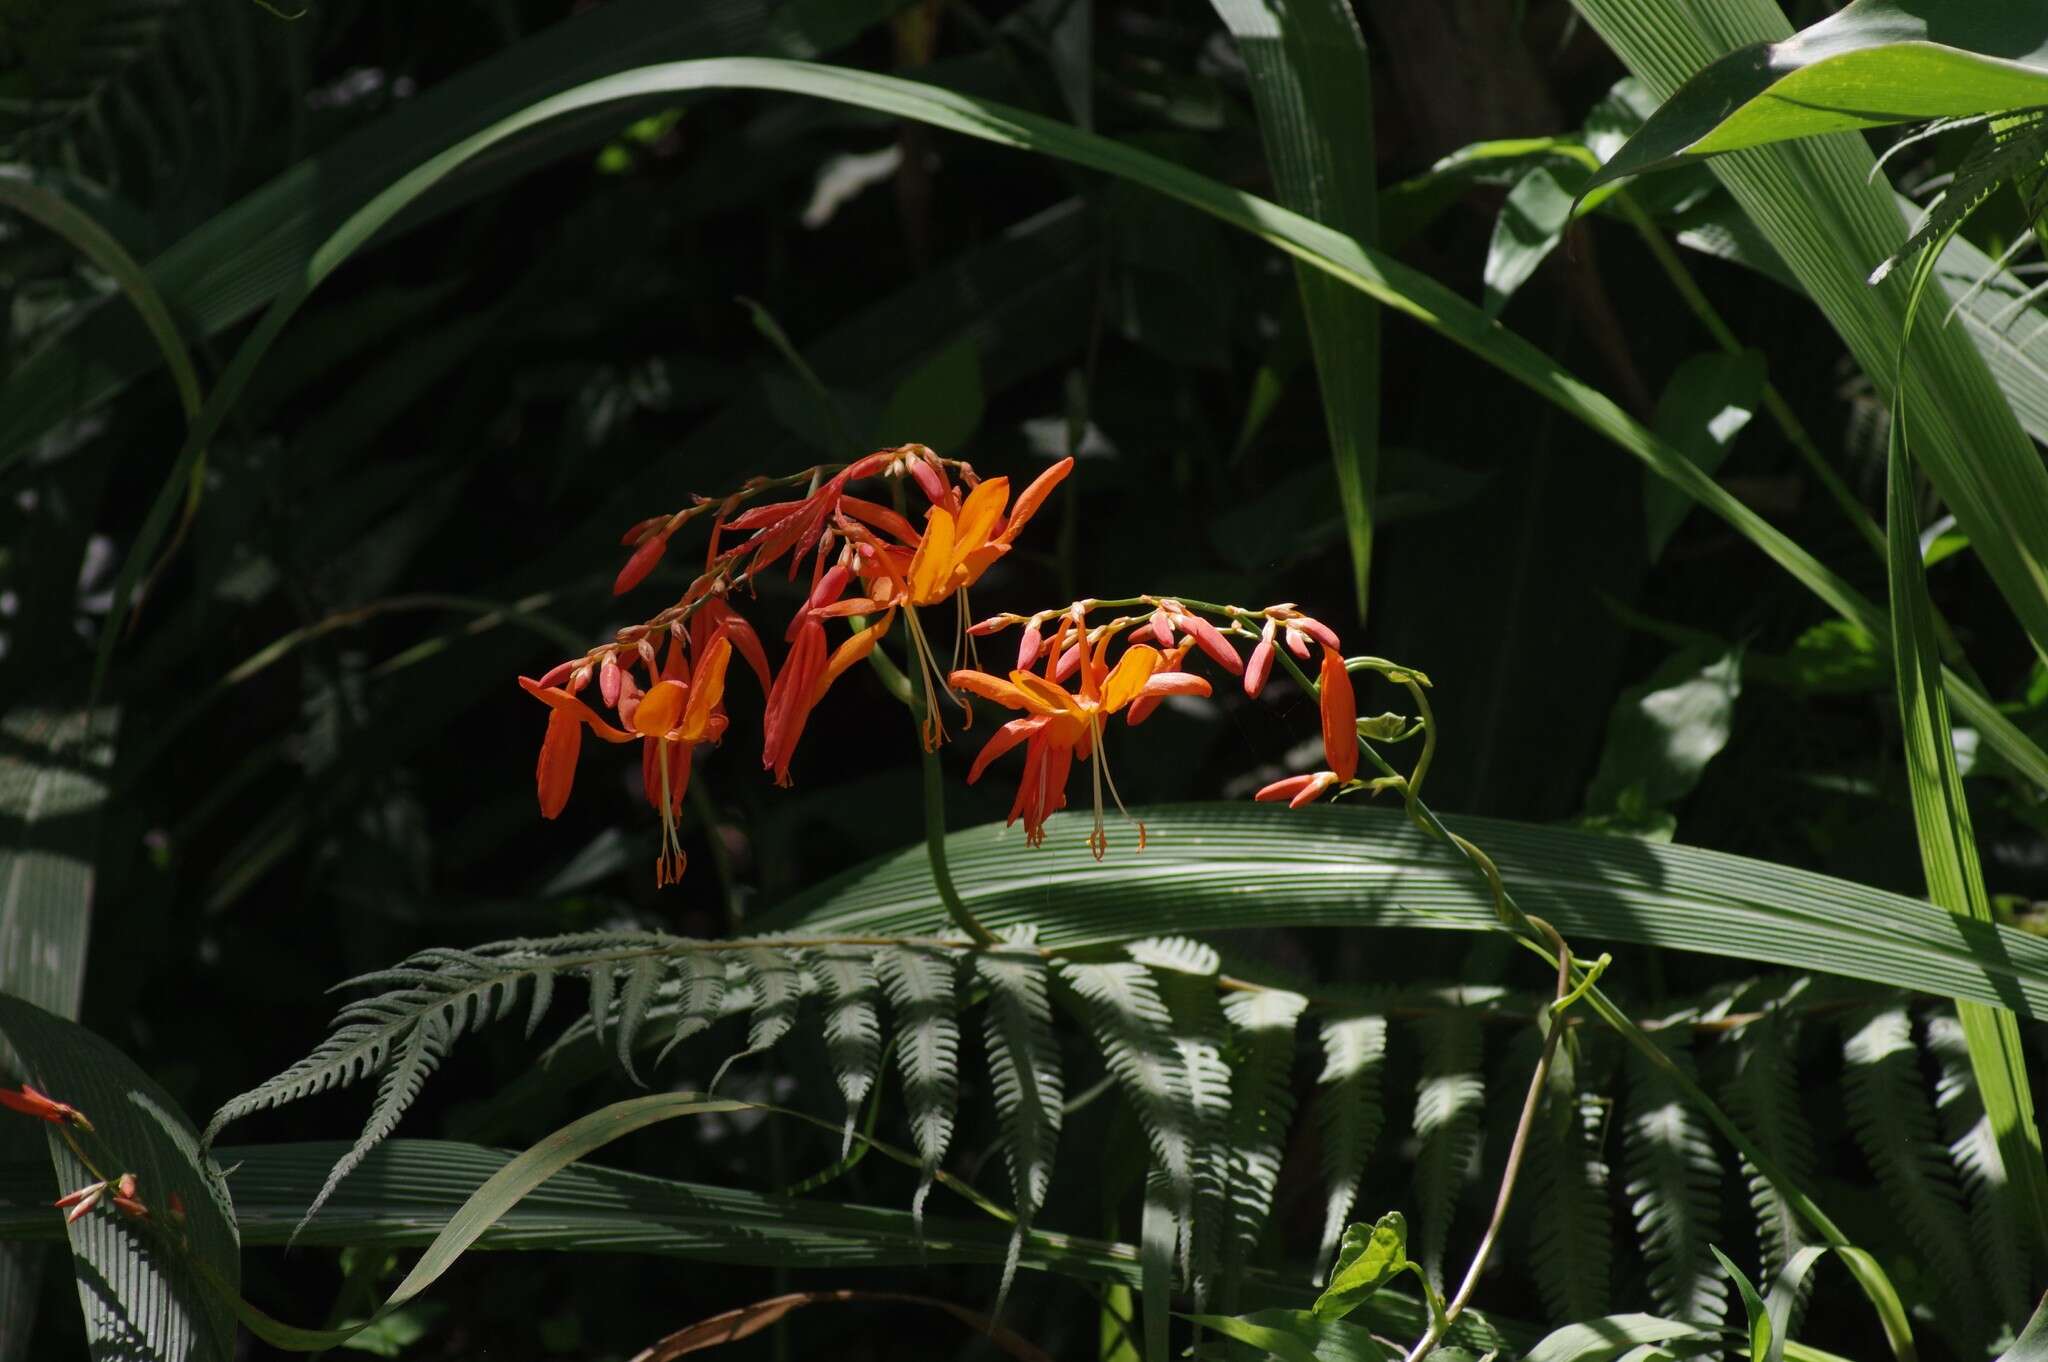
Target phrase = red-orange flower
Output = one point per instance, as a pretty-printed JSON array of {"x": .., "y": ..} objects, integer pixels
[
  {"x": 29, "y": 1102},
  {"x": 1339, "y": 707},
  {"x": 1060, "y": 725},
  {"x": 668, "y": 719}
]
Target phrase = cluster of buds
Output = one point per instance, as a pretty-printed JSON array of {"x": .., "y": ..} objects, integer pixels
[
  {"x": 664, "y": 680},
  {"x": 123, "y": 1193}
]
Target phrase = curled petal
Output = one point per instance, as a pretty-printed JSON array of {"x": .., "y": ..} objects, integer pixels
[
  {"x": 1162, "y": 628},
  {"x": 1033, "y": 497},
  {"x": 988, "y": 687},
  {"x": 1001, "y": 741},
  {"x": 764, "y": 517},
  {"x": 1340, "y": 716},
  {"x": 1297, "y": 790},
  {"x": 556, "y": 770},
  {"x": 1042, "y": 695},
  {"x": 789, "y": 700},
  {"x": 721, "y": 618},
  {"x": 870, "y": 464},
  {"x": 847, "y": 654},
  {"x": 853, "y": 605},
  {"x": 561, "y": 700}
]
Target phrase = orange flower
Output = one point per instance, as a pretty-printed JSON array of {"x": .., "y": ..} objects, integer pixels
[
  {"x": 29, "y": 1102},
  {"x": 1060, "y": 725},
  {"x": 667, "y": 719},
  {"x": 808, "y": 672},
  {"x": 1339, "y": 708}
]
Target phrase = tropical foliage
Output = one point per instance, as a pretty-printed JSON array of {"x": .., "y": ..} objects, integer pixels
[{"x": 1215, "y": 408}]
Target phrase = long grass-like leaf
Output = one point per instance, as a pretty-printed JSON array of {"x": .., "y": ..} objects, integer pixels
[
  {"x": 1941, "y": 811},
  {"x": 1312, "y": 86},
  {"x": 1354, "y": 866},
  {"x": 1995, "y": 1220},
  {"x": 1388, "y": 281}
]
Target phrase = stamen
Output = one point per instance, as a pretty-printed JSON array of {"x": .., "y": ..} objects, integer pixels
[{"x": 1102, "y": 765}]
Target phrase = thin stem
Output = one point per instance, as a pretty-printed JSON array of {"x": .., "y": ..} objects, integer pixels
[
  {"x": 1440, "y": 1323},
  {"x": 935, "y": 822}
]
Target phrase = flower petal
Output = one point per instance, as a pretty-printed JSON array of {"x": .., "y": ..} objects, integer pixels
[
  {"x": 1127, "y": 680},
  {"x": 854, "y": 650},
  {"x": 1001, "y": 741},
  {"x": 1004, "y": 693},
  {"x": 979, "y": 514},
  {"x": 933, "y": 563},
  {"x": 1033, "y": 497},
  {"x": 705, "y": 692},
  {"x": 660, "y": 709},
  {"x": 882, "y": 518},
  {"x": 558, "y": 699},
  {"x": 556, "y": 771},
  {"x": 1340, "y": 716}
]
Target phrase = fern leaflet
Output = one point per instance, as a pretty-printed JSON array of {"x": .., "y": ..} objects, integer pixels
[
  {"x": 1024, "y": 1066},
  {"x": 1448, "y": 1099},
  {"x": 1980, "y": 1167},
  {"x": 1262, "y": 1027},
  {"x": 1674, "y": 1188},
  {"x": 922, "y": 985},
  {"x": 1354, "y": 1054}
]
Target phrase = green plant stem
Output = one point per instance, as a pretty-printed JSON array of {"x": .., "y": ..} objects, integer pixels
[
  {"x": 1441, "y": 1321},
  {"x": 935, "y": 815}
]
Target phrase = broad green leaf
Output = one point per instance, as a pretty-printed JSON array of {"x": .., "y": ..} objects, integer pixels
[
  {"x": 1531, "y": 223},
  {"x": 1948, "y": 848},
  {"x": 939, "y": 405},
  {"x": 1661, "y": 735},
  {"x": 1703, "y": 408},
  {"x": 1312, "y": 86},
  {"x": 2032, "y": 1344},
  {"x": 1871, "y": 64},
  {"x": 52, "y": 784},
  {"x": 146, "y": 1288},
  {"x": 1355, "y": 866},
  {"x": 1368, "y": 1258},
  {"x": 1818, "y": 203}
]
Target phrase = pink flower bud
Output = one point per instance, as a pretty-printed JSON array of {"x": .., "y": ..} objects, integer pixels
[
  {"x": 1261, "y": 665},
  {"x": 557, "y": 674},
  {"x": 1028, "y": 646},
  {"x": 1296, "y": 642},
  {"x": 579, "y": 678},
  {"x": 608, "y": 676},
  {"x": 930, "y": 481},
  {"x": 640, "y": 564}
]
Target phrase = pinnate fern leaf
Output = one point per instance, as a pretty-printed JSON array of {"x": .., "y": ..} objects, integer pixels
[
  {"x": 1449, "y": 1097},
  {"x": 853, "y": 1025},
  {"x": 1025, "y": 1073},
  {"x": 1186, "y": 974},
  {"x": 2000, "y": 1240},
  {"x": 1571, "y": 1232},
  {"x": 1764, "y": 1096},
  {"x": 923, "y": 984},
  {"x": 774, "y": 977},
  {"x": 1893, "y": 1121},
  {"x": 1262, "y": 1027},
  {"x": 1351, "y": 1113},
  {"x": 1674, "y": 1187}
]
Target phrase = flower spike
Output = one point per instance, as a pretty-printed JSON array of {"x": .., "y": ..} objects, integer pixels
[{"x": 29, "y": 1102}]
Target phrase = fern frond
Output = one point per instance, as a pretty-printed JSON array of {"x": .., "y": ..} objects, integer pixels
[
  {"x": 1262, "y": 1025},
  {"x": 2009, "y": 150},
  {"x": 699, "y": 998},
  {"x": 1131, "y": 1023},
  {"x": 1348, "y": 1104},
  {"x": 1186, "y": 972},
  {"x": 1894, "y": 1123},
  {"x": 1980, "y": 1167},
  {"x": 774, "y": 978},
  {"x": 1674, "y": 1187},
  {"x": 424, "y": 1049},
  {"x": 853, "y": 1026},
  {"x": 634, "y": 998},
  {"x": 1764, "y": 1096},
  {"x": 923, "y": 985},
  {"x": 1448, "y": 1099},
  {"x": 1571, "y": 1234},
  {"x": 1024, "y": 1068}
]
